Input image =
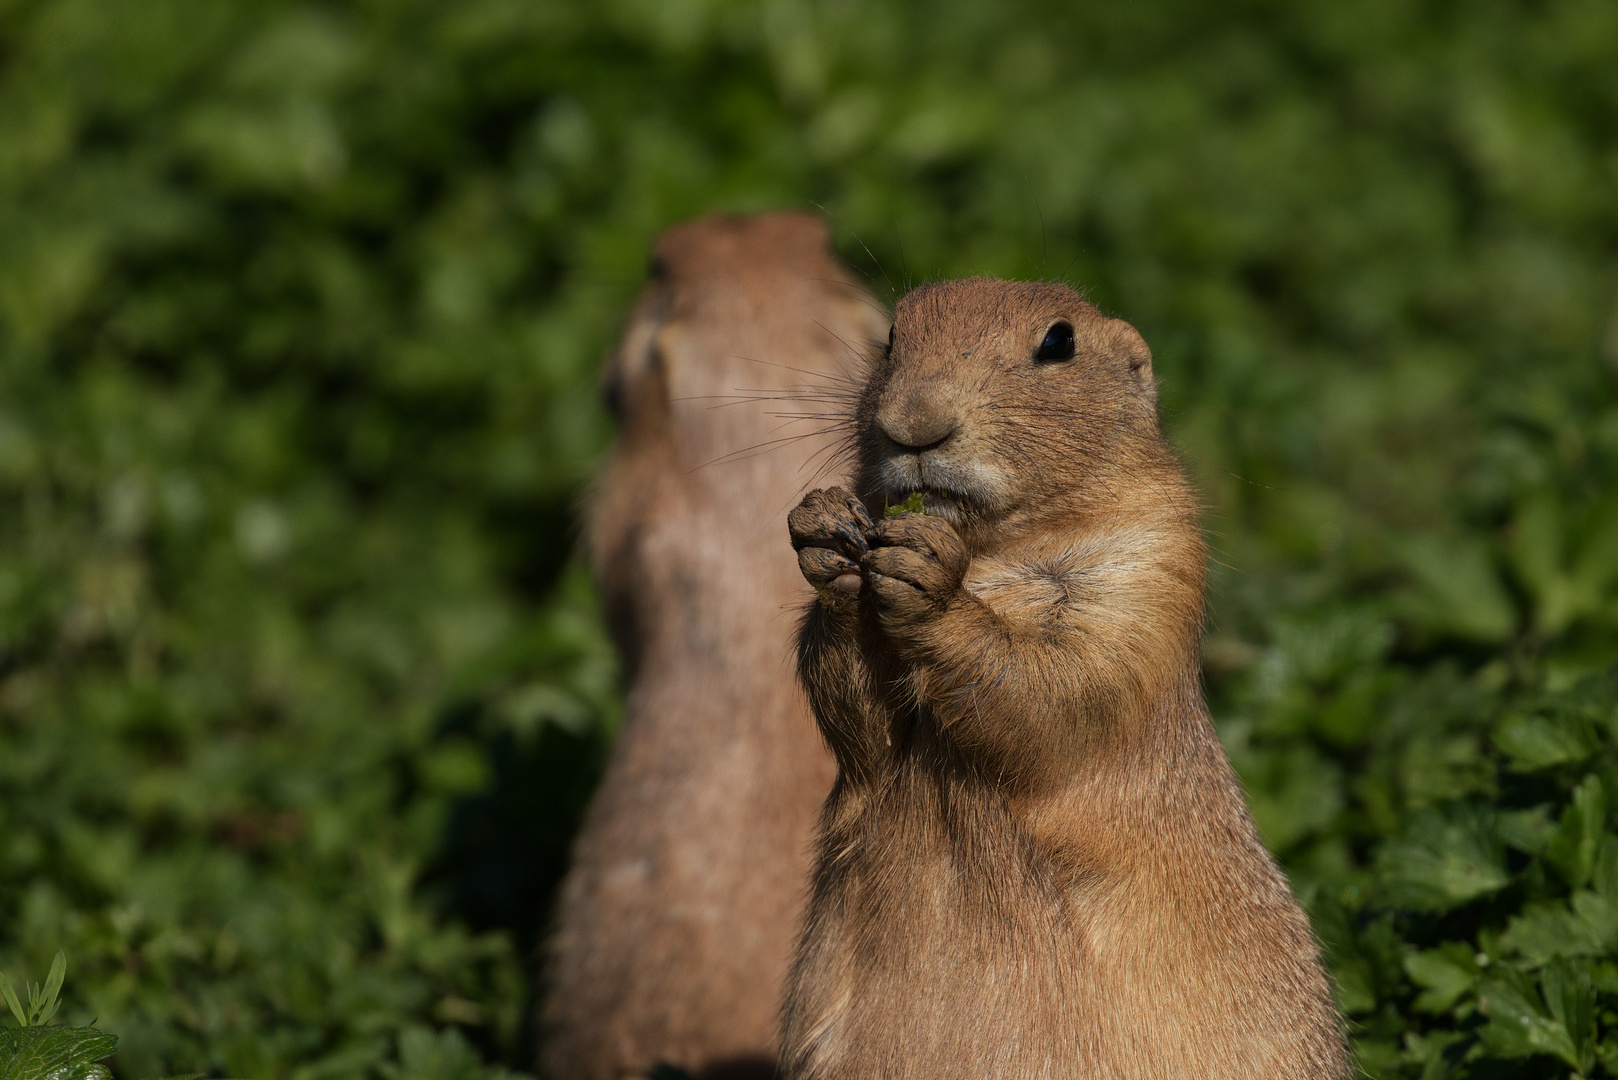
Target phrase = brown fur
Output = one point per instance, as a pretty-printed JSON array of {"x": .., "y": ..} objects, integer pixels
[
  {"x": 1036, "y": 861},
  {"x": 676, "y": 921}
]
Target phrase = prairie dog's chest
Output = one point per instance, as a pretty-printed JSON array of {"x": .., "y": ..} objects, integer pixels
[
  {"x": 972, "y": 871},
  {"x": 954, "y": 953},
  {"x": 1034, "y": 588}
]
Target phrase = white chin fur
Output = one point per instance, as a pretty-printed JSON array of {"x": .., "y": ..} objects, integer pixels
[{"x": 981, "y": 485}]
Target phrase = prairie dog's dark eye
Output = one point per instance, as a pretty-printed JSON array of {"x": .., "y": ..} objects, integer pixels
[
  {"x": 1058, "y": 343},
  {"x": 890, "y": 339}
]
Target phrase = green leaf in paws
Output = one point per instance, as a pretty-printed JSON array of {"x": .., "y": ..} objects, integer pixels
[{"x": 913, "y": 504}]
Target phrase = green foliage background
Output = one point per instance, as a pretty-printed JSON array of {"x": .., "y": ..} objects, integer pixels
[{"x": 300, "y": 303}]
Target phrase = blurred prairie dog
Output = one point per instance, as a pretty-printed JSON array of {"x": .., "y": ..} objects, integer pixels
[
  {"x": 676, "y": 921},
  {"x": 1036, "y": 861}
]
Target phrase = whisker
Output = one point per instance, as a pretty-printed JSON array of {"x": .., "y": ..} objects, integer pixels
[
  {"x": 874, "y": 260},
  {"x": 863, "y": 354},
  {"x": 859, "y": 294},
  {"x": 756, "y": 450},
  {"x": 832, "y": 376}
]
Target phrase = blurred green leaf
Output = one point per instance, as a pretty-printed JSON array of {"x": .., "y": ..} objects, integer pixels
[
  {"x": 1572, "y": 848},
  {"x": 1444, "y": 859},
  {"x": 1540, "y": 742},
  {"x": 1528, "y": 830},
  {"x": 1520, "y": 1025},
  {"x": 1444, "y": 974},
  {"x": 1458, "y": 589},
  {"x": 1585, "y": 925},
  {"x": 443, "y": 1055},
  {"x": 1571, "y": 998}
]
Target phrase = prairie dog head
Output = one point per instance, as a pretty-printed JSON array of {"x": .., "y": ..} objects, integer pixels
[
  {"x": 719, "y": 385},
  {"x": 740, "y": 314},
  {"x": 1011, "y": 405}
]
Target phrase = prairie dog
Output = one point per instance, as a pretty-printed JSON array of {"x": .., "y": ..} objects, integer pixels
[
  {"x": 676, "y": 920},
  {"x": 1036, "y": 860}
]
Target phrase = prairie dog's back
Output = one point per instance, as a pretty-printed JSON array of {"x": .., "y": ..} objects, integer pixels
[{"x": 676, "y": 921}]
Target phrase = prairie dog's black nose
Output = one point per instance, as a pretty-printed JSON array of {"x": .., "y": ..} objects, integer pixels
[{"x": 918, "y": 420}]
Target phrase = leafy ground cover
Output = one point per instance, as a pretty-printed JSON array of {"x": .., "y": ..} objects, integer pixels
[
  {"x": 301, "y": 689},
  {"x": 35, "y": 1049}
]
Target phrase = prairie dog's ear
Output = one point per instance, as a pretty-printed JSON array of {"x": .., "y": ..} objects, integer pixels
[
  {"x": 630, "y": 366},
  {"x": 671, "y": 364},
  {"x": 1116, "y": 342},
  {"x": 1131, "y": 347},
  {"x": 1128, "y": 346}
]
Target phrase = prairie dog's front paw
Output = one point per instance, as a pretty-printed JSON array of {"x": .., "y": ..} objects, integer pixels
[
  {"x": 914, "y": 568},
  {"x": 828, "y": 531}
]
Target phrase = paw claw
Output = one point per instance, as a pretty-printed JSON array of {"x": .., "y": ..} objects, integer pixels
[
  {"x": 854, "y": 538},
  {"x": 828, "y": 531}
]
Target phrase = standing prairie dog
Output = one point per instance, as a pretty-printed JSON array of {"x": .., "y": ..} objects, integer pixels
[
  {"x": 676, "y": 921},
  {"x": 1036, "y": 860}
]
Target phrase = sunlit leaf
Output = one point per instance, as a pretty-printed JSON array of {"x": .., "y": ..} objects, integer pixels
[
  {"x": 1586, "y": 925},
  {"x": 1520, "y": 1025},
  {"x": 1444, "y": 974},
  {"x": 1539, "y": 742},
  {"x": 1443, "y": 860},
  {"x": 55, "y": 1053},
  {"x": 1573, "y": 847}
]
